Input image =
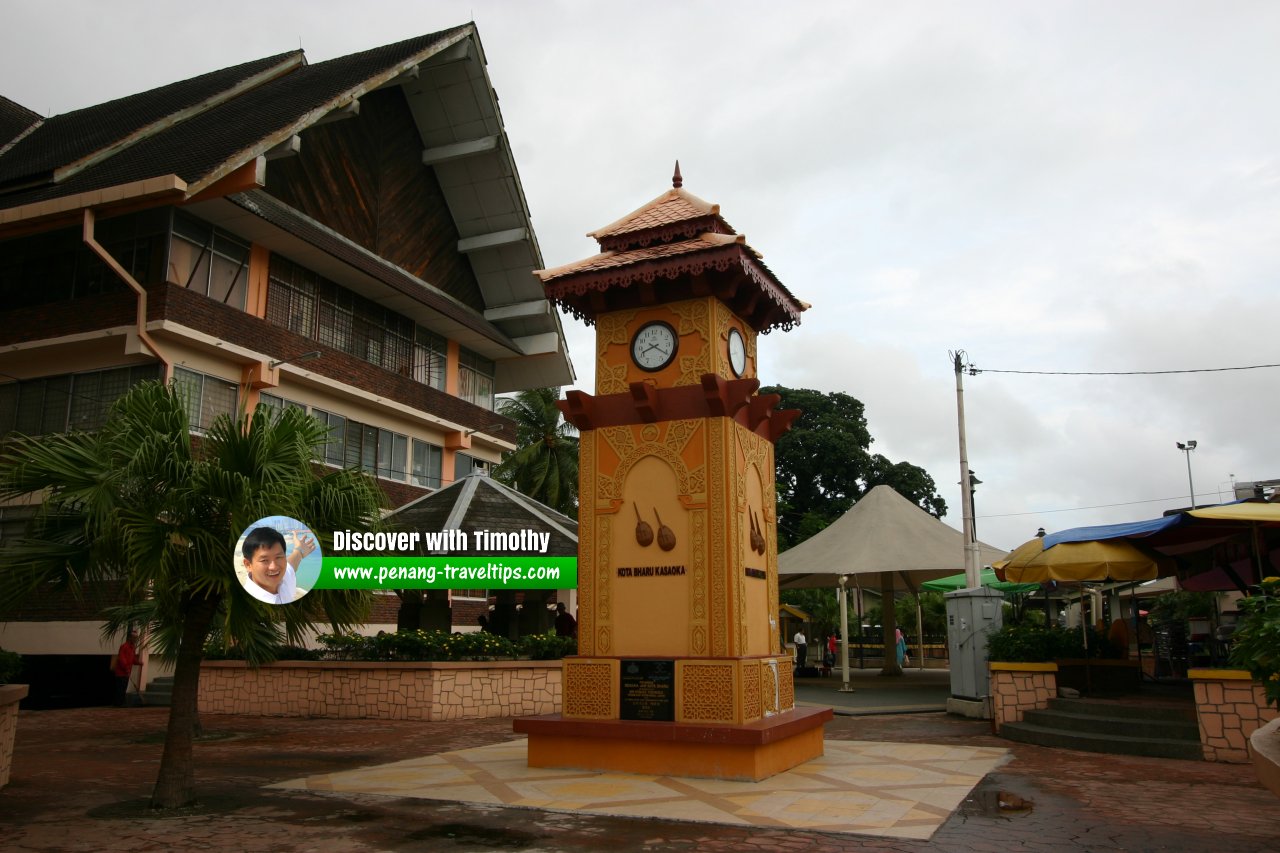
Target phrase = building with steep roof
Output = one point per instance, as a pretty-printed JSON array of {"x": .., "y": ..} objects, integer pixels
[{"x": 348, "y": 236}]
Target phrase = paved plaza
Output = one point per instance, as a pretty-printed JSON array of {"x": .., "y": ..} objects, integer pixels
[{"x": 81, "y": 777}]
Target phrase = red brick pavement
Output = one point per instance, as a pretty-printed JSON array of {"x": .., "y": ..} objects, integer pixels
[{"x": 81, "y": 777}]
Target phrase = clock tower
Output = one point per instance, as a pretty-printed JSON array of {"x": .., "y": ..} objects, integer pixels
[{"x": 680, "y": 667}]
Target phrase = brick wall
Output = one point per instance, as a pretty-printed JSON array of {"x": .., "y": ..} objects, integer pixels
[
  {"x": 1018, "y": 688},
  {"x": 57, "y": 319},
  {"x": 387, "y": 691},
  {"x": 62, "y": 605},
  {"x": 1230, "y": 707},
  {"x": 399, "y": 494},
  {"x": 170, "y": 302}
]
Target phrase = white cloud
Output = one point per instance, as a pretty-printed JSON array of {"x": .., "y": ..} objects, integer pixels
[{"x": 1050, "y": 186}]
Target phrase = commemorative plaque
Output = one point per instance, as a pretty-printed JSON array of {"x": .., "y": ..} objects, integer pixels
[{"x": 648, "y": 690}]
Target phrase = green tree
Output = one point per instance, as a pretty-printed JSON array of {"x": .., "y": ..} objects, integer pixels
[
  {"x": 139, "y": 502},
  {"x": 824, "y": 465},
  {"x": 820, "y": 604},
  {"x": 545, "y": 464}
]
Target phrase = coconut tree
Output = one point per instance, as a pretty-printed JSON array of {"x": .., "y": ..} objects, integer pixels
[
  {"x": 141, "y": 504},
  {"x": 545, "y": 464}
]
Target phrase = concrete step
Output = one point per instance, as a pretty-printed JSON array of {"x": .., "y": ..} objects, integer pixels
[
  {"x": 159, "y": 691},
  {"x": 1152, "y": 747},
  {"x": 1126, "y": 726},
  {"x": 1161, "y": 710}
]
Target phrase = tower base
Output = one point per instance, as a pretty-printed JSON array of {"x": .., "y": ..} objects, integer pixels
[{"x": 748, "y": 752}]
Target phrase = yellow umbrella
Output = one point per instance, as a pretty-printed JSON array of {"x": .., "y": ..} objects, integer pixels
[
  {"x": 1099, "y": 560},
  {"x": 1267, "y": 513}
]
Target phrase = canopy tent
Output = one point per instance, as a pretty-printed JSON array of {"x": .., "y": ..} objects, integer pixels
[
  {"x": 884, "y": 541},
  {"x": 989, "y": 579},
  {"x": 1222, "y": 547},
  {"x": 882, "y": 533}
]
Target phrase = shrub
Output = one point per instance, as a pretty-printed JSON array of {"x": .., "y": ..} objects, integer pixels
[
  {"x": 215, "y": 651},
  {"x": 1181, "y": 605},
  {"x": 1256, "y": 641},
  {"x": 479, "y": 645},
  {"x": 416, "y": 645},
  {"x": 546, "y": 646},
  {"x": 10, "y": 666},
  {"x": 1035, "y": 644}
]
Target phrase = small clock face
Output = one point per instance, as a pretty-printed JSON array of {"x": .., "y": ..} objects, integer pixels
[
  {"x": 737, "y": 352},
  {"x": 654, "y": 346}
]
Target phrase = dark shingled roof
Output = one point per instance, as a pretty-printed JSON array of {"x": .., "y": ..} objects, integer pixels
[
  {"x": 223, "y": 136},
  {"x": 14, "y": 119},
  {"x": 485, "y": 504},
  {"x": 71, "y": 136}
]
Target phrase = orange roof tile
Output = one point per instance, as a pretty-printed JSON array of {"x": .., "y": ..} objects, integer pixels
[
  {"x": 674, "y": 205},
  {"x": 611, "y": 260}
]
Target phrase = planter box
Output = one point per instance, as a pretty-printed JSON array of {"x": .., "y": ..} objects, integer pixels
[
  {"x": 1092, "y": 677},
  {"x": 10, "y": 696},
  {"x": 357, "y": 690},
  {"x": 1230, "y": 707},
  {"x": 1020, "y": 687}
]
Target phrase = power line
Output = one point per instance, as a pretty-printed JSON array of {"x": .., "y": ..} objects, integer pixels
[
  {"x": 1080, "y": 508},
  {"x": 974, "y": 371}
]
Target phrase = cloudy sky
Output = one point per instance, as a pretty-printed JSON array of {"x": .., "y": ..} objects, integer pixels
[{"x": 1070, "y": 187}]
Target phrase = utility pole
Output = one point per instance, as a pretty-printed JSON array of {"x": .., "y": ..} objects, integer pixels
[
  {"x": 1187, "y": 448},
  {"x": 972, "y": 567}
]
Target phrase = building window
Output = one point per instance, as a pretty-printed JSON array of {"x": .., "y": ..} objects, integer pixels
[
  {"x": 73, "y": 401},
  {"x": 208, "y": 260},
  {"x": 356, "y": 445},
  {"x": 58, "y": 266},
  {"x": 291, "y": 297},
  {"x": 428, "y": 464},
  {"x": 313, "y": 306},
  {"x": 430, "y": 358},
  {"x": 475, "y": 379},
  {"x": 277, "y": 404},
  {"x": 465, "y": 463},
  {"x": 337, "y": 424},
  {"x": 393, "y": 455},
  {"x": 206, "y": 397}
]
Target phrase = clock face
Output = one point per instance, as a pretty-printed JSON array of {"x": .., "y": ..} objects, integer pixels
[
  {"x": 737, "y": 353},
  {"x": 654, "y": 346}
]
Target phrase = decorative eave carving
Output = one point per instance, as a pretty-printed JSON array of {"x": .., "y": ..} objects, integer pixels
[
  {"x": 684, "y": 230},
  {"x": 643, "y": 403},
  {"x": 777, "y": 309}
]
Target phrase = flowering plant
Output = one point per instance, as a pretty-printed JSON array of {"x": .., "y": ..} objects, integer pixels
[{"x": 1256, "y": 641}]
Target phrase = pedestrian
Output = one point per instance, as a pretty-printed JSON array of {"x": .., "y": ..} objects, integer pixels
[
  {"x": 832, "y": 646},
  {"x": 802, "y": 648},
  {"x": 122, "y": 667},
  {"x": 901, "y": 647},
  {"x": 566, "y": 625}
]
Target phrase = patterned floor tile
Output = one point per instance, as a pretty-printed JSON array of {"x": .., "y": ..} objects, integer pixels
[{"x": 899, "y": 790}]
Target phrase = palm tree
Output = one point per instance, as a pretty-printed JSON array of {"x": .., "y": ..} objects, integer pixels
[
  {"x": 545, "y": 465},
  {"x": 139, "y": 503}
]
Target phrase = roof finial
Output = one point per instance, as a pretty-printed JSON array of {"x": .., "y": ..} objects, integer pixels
[{"x": 676, "y": 180}]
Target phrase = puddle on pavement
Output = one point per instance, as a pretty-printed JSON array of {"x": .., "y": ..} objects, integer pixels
[
  {"x": 467, "y": 833},
  {"x": 993, "y": 802}
]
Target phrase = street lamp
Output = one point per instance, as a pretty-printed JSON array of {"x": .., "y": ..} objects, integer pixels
[
  {"x": 1187, "y": 448},
  {"x": 974, "y": 482}
]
